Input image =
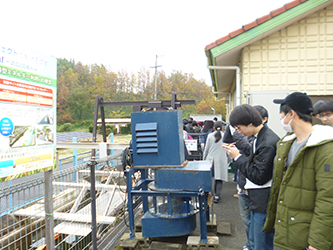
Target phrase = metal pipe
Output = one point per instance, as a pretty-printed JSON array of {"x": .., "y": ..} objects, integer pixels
[
  {"x": 218, "y": 92},
  {"x": 98, "y": 100},
  {"x": 238, "y": 102},
  {"x": 90, "y": 145},
  {"x": 49, "y": 220}
]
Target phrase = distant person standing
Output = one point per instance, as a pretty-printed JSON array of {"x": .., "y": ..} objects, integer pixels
[
  {"x": 214, "y": 151},
  {"x": 206, "y": 130},
  {"x": 196, "y": 127},
  {"x": 215, "y": 119},
  {"x": 325, "y": 112},
  {"x": 186, "y": 136},
  {"x": 189, "y": 126}
]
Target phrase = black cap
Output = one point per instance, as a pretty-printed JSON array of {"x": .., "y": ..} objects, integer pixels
[
  {"x": 297, "y": 101},
  {"x": 185, "y": 121}
]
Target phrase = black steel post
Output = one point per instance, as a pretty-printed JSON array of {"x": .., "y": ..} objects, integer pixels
[
  {"x": 92, "y": 179},
  {"x": 93, "y": 203},
  {"x": 103, "y": 124},
  {"x": 173, "y": 100}
]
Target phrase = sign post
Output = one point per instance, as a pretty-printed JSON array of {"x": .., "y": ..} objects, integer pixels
[{"x": 28, "y": 92}]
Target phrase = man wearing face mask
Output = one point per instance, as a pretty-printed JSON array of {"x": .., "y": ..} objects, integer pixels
[{"x": 300, "y": 209}]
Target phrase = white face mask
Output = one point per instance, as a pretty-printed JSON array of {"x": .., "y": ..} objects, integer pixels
[{"x": 287, "y": 127}]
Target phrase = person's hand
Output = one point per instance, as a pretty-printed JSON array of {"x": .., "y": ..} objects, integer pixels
[
  {"x": 312, "y": 248},
  {"x": 231, "y": 149}
]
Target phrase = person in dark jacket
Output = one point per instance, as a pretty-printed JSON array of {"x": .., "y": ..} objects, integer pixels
[
  {"x": 257, "y": 167},
  {"x": 189, "y": 126},
  {"x": 196, "y": 127},
  {"x": 244, "y": 145}
]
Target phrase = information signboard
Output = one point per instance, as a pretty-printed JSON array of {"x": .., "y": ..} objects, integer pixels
[{"x": 28, "y": 89}]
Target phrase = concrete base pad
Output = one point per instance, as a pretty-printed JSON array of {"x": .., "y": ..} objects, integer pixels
[
  {"x": 130, "y": 244},
  {"x": 143, "y": 241},
  {"x": 193, "y": 242},
  {"x": 165, "y": 246},
  {"x": 224, "y": 227}
]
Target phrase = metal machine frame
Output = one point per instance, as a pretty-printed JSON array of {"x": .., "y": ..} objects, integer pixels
[{"x": 141, "y": 188}]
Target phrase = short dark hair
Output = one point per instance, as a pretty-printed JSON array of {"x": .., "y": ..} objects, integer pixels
[
  {"x": 316, "y": 107},
  {"x": 326, "y": 106},
  {"x": 215, "y": 119},
  {"x": 244, "y": 115},
  {"x": 263, "y": 112},
  {"x": 286, "y": 109}
]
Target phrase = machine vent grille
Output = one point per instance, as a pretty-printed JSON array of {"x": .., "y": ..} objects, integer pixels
[{"x": 146, "y": 138}]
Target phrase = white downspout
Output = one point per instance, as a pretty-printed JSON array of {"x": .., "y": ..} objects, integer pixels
[
  {"x": 238, "y": 100},
  {"x": 215, "y": 92}
]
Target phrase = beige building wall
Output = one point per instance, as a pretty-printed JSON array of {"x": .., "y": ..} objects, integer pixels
[{"x": 298, "y": 58}]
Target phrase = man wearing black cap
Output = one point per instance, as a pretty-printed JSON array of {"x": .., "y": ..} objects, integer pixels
[{"x": 300, "y": 209}]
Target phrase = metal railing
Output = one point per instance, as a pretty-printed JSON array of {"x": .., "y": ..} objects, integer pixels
[{"x": 22, "y": 213}]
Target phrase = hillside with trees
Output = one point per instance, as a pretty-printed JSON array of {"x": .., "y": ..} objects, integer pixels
[{"x": 78, "y": 85}]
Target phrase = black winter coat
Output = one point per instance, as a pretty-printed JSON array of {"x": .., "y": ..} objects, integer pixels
[
  {"x": 258, "y": 168},
  {"x": 189, "y": 128},
  {"x": 243, "y": 144}
]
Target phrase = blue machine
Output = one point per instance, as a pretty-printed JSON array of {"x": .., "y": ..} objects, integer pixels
[{"x": 179, "y": 189}]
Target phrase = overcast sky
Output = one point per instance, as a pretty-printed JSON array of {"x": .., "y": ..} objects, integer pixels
[{"x": 127, "y": 35}]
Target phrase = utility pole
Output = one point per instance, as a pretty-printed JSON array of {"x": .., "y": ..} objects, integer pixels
[{"x": 155, "y": 92}]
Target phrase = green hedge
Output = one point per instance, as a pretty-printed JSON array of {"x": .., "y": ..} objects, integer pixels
[
  {"x": 108, "y": 129},
  {"x": 111, "y": 129},
  {"x": 67, "y": 127},
  {"x": 126, "y": 130}
]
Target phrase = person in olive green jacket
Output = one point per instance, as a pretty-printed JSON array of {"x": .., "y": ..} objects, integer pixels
[{"x": 300, "y": 209}]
